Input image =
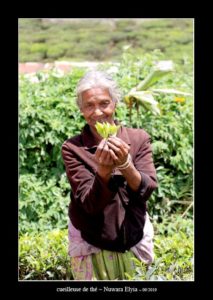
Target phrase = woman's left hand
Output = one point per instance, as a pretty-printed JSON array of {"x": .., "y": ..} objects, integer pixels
[{"x": 118, "y": 150}]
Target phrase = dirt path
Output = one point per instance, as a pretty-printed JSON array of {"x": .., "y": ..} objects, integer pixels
[{"x": 32, "y": 67}]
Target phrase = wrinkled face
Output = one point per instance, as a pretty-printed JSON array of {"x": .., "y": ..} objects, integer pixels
[{"x": 97, "y": 105}]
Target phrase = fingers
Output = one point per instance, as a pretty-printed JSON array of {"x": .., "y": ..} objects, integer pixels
[
  {"x": 114, "y": 157},
  {"x": 100, "y": 148},
  {"x": 118, "y": 151},
  {"x": 118, "y": 146},
  {"x": 112, "y": 151},
  {"x": 118, "y": 142},
  {"x": 102, "y": 154},
  {"x": 108, "y": 161}
]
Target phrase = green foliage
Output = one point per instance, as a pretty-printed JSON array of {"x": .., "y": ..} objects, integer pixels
[
  {"x": 173, "y": 244},
  {"x": 171, "y": 131},
  {"x": 48, "y": 116},
  {"x": 106, "y": 129},
  {"x": 55, "y": 52},
  {"x": 43, "y": 204},
  {"x": 44, "y": 256},
  {"x": 103, "y": 40}
]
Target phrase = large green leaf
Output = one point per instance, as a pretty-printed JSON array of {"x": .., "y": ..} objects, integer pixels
[
  {"x": 161, "y": 69},
  {"x": 171, "y": 91},
  {"x": 144, "y": 98}
]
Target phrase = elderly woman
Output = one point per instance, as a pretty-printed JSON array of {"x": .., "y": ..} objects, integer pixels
[{"x": 111, "y": 180}]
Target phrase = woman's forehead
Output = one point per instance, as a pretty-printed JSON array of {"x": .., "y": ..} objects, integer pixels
[{"x": 96, "y": 93}]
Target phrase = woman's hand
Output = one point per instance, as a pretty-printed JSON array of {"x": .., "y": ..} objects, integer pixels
[
  {"x": 118, "y": 150},
  {"x": 104, "y": 160}
]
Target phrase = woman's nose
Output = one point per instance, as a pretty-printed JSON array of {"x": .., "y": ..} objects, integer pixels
[{"x": 98, "y": 112}]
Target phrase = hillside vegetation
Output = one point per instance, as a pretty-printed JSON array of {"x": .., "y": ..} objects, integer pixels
[{"x": 45, "y": 40}]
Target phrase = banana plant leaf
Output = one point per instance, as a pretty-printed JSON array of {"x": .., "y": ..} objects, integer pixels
[
  {"x": 171, "y": 91},
  {"x": 144, "y": 98},
  {"x": 161, "y": 69}
]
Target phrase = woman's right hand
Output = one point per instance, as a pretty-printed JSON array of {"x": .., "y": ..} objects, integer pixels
[{"x": 104, "y": 159}]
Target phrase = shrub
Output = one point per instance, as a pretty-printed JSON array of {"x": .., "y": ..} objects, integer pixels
[
  {"x": 48, "y": 116},
  {"x": 169, "y": 35},
  {"x": 171, "y": 131},
  {"x": 39, "y": 48},
  {"x": 173, "y": 247},
  {"x": 43, "y": 204},
  {"x": 55, "y": 52},
  {"x": 44, "y": 256}
]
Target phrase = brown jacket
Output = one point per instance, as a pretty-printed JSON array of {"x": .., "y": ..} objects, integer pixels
[{"x": 110, "y": 216}]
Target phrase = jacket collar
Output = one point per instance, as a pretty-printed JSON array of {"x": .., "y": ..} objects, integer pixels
[{"x": 89, "y": 140}]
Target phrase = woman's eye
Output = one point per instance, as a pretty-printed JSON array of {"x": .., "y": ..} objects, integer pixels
[
  {"x": 105, "y": 103},
  {"x": 89, "y": 105}
]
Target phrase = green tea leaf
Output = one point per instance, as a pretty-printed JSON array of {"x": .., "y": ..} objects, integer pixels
[{"x": 105, "y": 129}]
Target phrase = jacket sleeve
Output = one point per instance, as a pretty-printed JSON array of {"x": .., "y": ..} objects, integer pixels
[
  {"x": 143, "y": 162},
  {"x": 89, "y": 191}
]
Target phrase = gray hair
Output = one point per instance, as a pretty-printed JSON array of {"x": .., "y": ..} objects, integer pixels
[{"x": 100, "y": 79}]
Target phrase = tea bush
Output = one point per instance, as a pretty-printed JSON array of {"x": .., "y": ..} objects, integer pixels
[
  {"x": 96, "y": 40},
  {"x": 174, "y": 258},
  {"x": 43, "y": 256}
]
